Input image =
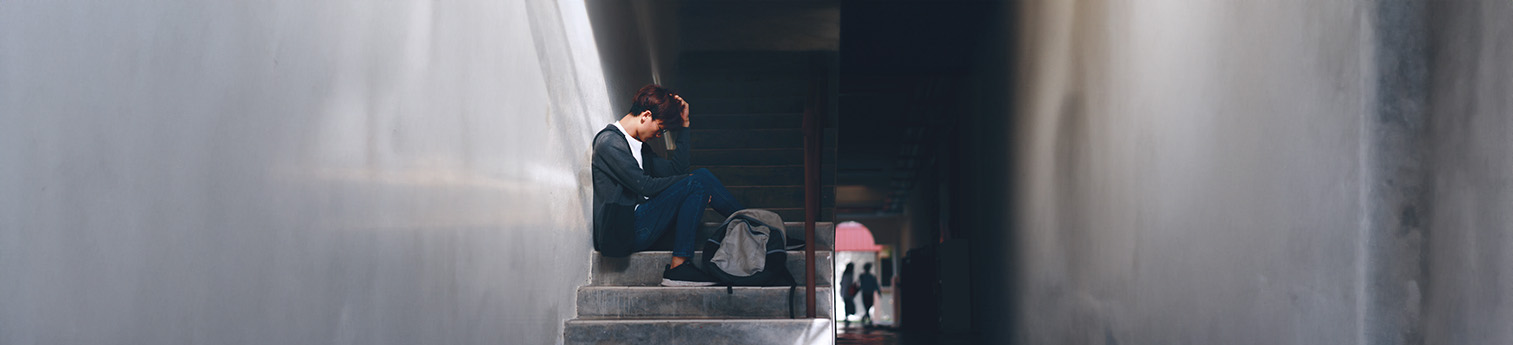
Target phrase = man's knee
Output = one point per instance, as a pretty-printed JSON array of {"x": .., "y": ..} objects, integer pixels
[{"x": 701, "y": 176}]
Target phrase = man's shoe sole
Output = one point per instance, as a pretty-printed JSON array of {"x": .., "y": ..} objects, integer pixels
[{"x": 681, "y": 283}]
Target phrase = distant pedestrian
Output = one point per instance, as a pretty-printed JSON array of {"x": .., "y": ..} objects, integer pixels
[
  {"x": 869, "y": 290},
  {"x": 848, "y": 296}
]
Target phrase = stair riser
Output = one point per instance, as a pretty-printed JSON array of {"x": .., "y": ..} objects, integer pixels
[
  {"x": 747, "y": 105},
  {"x": 824, "y": 231},
  {"x": 712, "y": 217},
  {"x": 779, "y": 197},
  {"x": 645, "y": 269},
  {"x": 746, "y": 176},
  {"x": 791, "y": 138},
  {"x": 795, "y": 231},
  {"x": 703, "y": 332},
  {"x": 790, "y": 156},
  {"x": 734, "y": 86},
  {"x": 609, "y": 302},
  {"x": 705, "y": 62},
  {"x": 751, "y": 121}
]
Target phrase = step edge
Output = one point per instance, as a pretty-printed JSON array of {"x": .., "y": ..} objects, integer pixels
[
  {"x": 696, "y": 252},
  {"x": 698, "y": 320},
  {"x": 711, "y": 288}
]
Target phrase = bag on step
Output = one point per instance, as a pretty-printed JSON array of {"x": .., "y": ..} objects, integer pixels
[{"x": 749, "y": 249}]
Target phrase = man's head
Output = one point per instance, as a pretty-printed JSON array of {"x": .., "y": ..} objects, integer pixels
[
  {"x": 655, "y": 108},
  {"x": 867, "y": 267}
]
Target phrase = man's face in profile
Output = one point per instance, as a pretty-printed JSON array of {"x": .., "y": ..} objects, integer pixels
[{"x": 650, "y": 128}]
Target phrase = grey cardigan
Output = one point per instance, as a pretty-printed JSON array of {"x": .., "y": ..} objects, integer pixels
[{"x": 618, "y": 180}]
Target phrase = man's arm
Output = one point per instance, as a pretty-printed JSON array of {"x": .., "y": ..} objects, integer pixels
[
  {"x": 613, "y": 155},
  {"x": 677, "y": 161}
]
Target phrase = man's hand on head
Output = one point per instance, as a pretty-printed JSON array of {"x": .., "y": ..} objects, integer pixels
[{"x": 685, "y": 110}]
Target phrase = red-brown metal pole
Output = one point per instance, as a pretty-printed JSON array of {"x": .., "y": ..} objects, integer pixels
[{"x": 813, "y": 130}]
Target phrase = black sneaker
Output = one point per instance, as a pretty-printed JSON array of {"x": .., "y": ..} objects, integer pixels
[{"x": 686, "y": 275}]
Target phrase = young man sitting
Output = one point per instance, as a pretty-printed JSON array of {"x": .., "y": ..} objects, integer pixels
[{"x": 665, "y": 195}]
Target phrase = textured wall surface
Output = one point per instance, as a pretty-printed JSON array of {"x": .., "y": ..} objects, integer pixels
[
  {"x": 1190, "y": 172},
  {"x": 1239, "y": 172},
  {"x": 1470, "y": 238},
  {"x": 290, "y": 172}
]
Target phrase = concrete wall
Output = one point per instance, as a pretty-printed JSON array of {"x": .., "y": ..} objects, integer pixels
[
  {"x": 290, "y": 172},
  {"x": 639, "y": 41},
  {"x": 1238, "y": 172},
  {"x": 1190, "y": 172},
  {"x": 1470, "y": 239}
]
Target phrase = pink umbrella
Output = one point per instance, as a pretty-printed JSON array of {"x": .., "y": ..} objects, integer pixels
[{"x": 854, "y": 237}]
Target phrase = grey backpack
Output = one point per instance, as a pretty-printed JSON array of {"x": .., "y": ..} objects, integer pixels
[{"x": 749, "y": 249}]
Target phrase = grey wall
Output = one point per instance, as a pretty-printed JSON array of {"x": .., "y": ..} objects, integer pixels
[
  {"x": 1470, "y": 239},
  {"x": 290, "y": 172},
  {"x": 1240, "y": 172},
  {"x": 1190, "y": 172},
  {"x": 639, "y": 40}
]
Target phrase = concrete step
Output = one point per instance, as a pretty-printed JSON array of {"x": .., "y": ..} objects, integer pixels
[
  {"x": 791, "y": 138},
  {"x": 824, "y": 232},
  {"x": 734, "y": 84},
  {"x": 787, "y": 196},
  {"x": 645, "y": 268},
  {"x": 750, "y": 121},
  {"x": 740, "y": 105},
  {"x": 710, "y": 216},
  {"x": 788, "y": 156},
  {"x": 794, "y": 229},
  {"x": 689, "y": 80},
  {"x": 747, "y": 138},
  {"x": 708, "y": 331},
  {"x": 658, "y": 302},
  {"x": 745, "y": 62},
  {"x": 766, "y": 175}
]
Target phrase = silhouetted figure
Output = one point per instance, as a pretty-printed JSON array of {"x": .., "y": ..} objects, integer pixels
[
  {"x": 869, "y": 290},
  {"x": 848, "y": 295}
]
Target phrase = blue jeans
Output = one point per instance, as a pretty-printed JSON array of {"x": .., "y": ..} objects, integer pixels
[{"x": 682, "y": 204}]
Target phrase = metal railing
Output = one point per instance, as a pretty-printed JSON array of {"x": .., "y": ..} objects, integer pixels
[{"x": 814, "y": 130}]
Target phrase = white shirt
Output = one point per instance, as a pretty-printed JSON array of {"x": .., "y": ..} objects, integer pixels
[
  {"x": 635, "y": 145},
  {"x": 635, "y": 151}
]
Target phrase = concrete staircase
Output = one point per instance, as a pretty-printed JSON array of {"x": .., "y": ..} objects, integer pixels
[
  {"x": 748, "y": 110},
  {"x": 622, "y": 304},
  {"x": 747, "y": 113}
]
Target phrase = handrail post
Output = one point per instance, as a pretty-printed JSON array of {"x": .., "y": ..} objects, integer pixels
[{"x": 813, "y": 132}]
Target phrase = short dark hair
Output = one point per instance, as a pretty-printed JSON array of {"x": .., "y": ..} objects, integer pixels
[
  {"x": 867, "y": 267},
  {"x": 659, "y": 100}
]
